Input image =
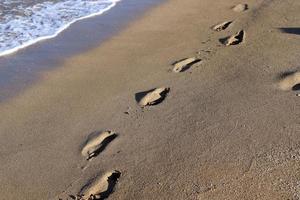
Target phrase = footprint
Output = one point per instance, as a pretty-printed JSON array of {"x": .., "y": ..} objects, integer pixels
[
  {"x": 222, "y": 26},
  {"x": 96, "y": 143},
  {"x": 185, "y": 64},
  {"x": 100, "y": 188},
  {"x": 290, "y": 81},
  {"x": 234, "y": 39},
  {"x": 151, "y": 97},
  {"x": 240, "y": 8}
]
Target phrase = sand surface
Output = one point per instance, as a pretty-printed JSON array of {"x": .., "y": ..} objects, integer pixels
[{"x": 227, "y": 127}]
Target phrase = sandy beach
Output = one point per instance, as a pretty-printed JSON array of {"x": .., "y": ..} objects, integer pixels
[{"x": 196, "y": 99}]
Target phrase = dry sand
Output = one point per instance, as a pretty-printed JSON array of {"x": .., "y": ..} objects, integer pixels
[{"x": 225, "y": 130}]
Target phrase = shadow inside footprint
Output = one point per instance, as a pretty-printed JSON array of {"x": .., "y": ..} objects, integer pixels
[
  {"x": 150, "y": 97},
  {"x": 224, "y": 40},
  {"x": 97, "y": 142},
  {"x": 112, "y": 181},
  {"x": 234, "y": 39},
  {"x": 222, "y": 26},
  {"x": 185, "y": 64},
  {"x": 104, "y": 144},
  {"x": 240, "y": 7},
  {"x": 140, "y": 95},
  {"x": 296, "y": 87},
  {"x": 289, "y": 80},
  {"x": 100, "y": 187}
]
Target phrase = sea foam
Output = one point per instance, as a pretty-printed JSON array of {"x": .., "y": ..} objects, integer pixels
[{"x": 22, "y": 25}]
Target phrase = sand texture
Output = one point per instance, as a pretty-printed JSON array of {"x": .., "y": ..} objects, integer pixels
[{"x": 137, "y": 118}]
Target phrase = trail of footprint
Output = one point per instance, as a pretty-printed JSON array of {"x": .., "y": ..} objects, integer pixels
[
  {"x": 151, "y": 97},
  {"x": 185, "y": 64},
  {"x": 100, "y": 187},
  {"x": 96, "y": 143},
  {"x": 290, "y": 81},
  {"x": 240, "y": 8},
  {"x": 222, "y": 26},
  {"x": 234, "y": 39}
]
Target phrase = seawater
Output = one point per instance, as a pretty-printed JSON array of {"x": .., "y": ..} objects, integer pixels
[{"x": 23, "y": 23}]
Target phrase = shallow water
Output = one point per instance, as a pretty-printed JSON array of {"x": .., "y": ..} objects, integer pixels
[{"x": 23, "y": 23}]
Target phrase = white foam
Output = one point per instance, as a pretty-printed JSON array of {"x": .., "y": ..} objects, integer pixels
[{"x": 45, "y": 20}]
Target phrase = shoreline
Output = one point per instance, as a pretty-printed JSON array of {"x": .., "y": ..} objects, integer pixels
[
  {"x": 222, "y": 128},
  {"x": 21, "y": 69},
  {"x": 60, "y": 30}
]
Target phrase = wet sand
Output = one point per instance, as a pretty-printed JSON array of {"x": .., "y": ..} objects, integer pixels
[
  {"x": 167, "y": 109},
  {"x": 20, "y": 70}
]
